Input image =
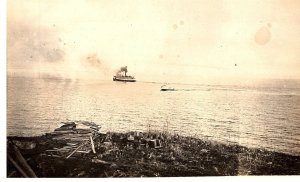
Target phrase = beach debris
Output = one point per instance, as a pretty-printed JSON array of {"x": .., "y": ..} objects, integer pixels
[
  {"x": 18, "y": 161},
  {"x": 81, "y": 145},
  {"x": 130, "y": 138},
  {"x": 17, "y": 166},
  {"x": 137, "y": 154},
  {"x": 107, "y": 145},
  {"x": 12, "y": 174},
  {"x": 25, "y": 145},
  {"x": 98, "y": 161},
  {"x": 75, "y": 136},
  {"x": 158, "y": 144},
  {"x": 92, "y": 143},
  {"x": 67, "y": 126}
]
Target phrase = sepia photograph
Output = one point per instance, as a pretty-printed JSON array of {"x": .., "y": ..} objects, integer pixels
[{"x": 152, "y": 88}]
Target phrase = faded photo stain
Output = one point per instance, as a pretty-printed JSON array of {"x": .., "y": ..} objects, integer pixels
[{"x": 263, "y": 35}]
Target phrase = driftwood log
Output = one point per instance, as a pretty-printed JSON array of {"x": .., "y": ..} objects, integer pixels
[{"x": 20, "y": 163}]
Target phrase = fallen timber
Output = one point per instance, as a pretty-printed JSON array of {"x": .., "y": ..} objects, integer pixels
[{"x": 74, "y": 151}]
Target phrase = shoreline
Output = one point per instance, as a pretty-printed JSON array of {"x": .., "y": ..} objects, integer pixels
[{"x": 143, "y": 154}]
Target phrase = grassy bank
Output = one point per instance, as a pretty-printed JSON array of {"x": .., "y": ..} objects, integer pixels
[{"x": 147, "y": 154}]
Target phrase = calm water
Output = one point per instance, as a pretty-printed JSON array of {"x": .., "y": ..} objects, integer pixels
[{"x": 266, "y": 116}]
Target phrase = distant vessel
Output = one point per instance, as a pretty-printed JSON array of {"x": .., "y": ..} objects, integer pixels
[
  {"x": 166, "y": 88},
  {"x": 122, "y": 77}
]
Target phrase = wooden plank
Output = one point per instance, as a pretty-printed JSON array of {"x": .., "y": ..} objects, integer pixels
[
  {"x": 76, "y": 149},
  {"x": 92, "y": 143},
  {"x": 17, "y": 166},
  {"x": 82, "y": 151},
  {"x": 63, "y": 132},
  {"x": 12, "y": 174},
  {"x": 81, "y": 145},
  {"x": 72, "y": 144},
  {"x": 23, "y": 162}
]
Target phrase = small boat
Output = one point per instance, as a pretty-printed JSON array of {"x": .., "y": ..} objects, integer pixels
[{"x": 166, "y": 88}]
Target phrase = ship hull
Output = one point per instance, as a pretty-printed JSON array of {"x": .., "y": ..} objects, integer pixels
[
  {"x": 167, "y": 89},
  {"x": 124, "y": 80}
]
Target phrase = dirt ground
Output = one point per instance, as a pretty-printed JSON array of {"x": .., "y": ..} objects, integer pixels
[{"x": 146, "y": 155}]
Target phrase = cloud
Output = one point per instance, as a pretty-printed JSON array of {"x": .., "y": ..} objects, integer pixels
[{"x": 31, "y": 43}]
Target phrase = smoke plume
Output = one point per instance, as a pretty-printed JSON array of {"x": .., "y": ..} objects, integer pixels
[
  {"x": 92, "y": 60},
  {"x": 95, "y": 66},
  {"x": 123, "y": 69}
]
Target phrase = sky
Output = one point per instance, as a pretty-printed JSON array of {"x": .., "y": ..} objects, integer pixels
[{"x": 191, "y": 41}]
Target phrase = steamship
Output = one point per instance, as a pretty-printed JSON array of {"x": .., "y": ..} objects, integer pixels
[{"x": 122, "y": 77}]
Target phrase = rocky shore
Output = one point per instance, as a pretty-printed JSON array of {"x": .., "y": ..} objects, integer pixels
[{"x": 71, "y": 151}]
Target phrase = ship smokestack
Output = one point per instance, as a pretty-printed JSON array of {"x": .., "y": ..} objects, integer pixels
[{"x": 124, "y": 69}]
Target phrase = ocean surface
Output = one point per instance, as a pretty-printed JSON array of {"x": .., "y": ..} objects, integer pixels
[{"x": 265, "y": 115}]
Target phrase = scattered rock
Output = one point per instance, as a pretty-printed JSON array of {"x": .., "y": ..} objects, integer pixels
[{"x": 25, "y": 145}]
